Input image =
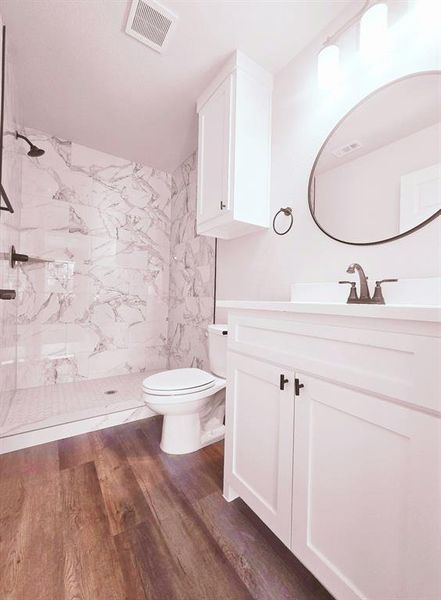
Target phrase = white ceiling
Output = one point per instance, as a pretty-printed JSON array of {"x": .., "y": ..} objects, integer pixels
[{"x": 80, "y": 77}]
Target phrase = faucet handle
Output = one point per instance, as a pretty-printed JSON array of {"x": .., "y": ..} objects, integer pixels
[
  {"x": 378, "y": 298},
  {"x": 353, "y": 293},
  {"x": 385, "y": 281}
]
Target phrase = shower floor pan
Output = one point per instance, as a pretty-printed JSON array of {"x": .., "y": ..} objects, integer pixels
[{"x": 47, "y": 413}]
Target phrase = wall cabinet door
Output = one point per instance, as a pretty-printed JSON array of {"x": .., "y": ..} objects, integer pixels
[
  {"x": 259, "y": 441},
  {"x": 366, "y": 494},
  {"x": 214, "y": 153},
  {"x": 234, "y": 153}
]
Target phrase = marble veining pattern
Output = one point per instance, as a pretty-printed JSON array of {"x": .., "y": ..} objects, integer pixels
[
  {"x": 9, "y": 234},
  {"x": 191, "y": 275},
  {"x": 119, "y": 284},
  {"x": 97, "y": 303}
]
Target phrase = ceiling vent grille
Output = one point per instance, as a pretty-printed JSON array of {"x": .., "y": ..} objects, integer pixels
[
  {"x": 347, "y": 149},
  {"x": 151, "y": 23}
]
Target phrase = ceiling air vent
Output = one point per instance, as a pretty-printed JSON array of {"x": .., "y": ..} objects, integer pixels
[
  {"x": 151, "y": 23},
  {"x": 347, "y": 149}
]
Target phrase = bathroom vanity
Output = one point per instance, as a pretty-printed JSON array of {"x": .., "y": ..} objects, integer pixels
[{"x": 333, "y": 438}]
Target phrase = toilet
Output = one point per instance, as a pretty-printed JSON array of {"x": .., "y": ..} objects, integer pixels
[{"x": 191, "y": 400}]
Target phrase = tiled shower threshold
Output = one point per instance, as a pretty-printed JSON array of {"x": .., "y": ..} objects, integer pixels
[{"x": 47, "y": 413}]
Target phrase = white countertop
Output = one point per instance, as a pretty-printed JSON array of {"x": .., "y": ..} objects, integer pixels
[{"x": 430, "y": 313}]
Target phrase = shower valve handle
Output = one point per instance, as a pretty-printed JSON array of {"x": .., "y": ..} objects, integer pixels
[
  {"x": 16, "y": 257},
  {"x": 7, "y": 294}
]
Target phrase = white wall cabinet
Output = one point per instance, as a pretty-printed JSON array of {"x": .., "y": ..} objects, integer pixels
[
  {"x": 261, "y": 441},
  {"x": 348, "y": 472},
  {"x": 234, "y": 149}
]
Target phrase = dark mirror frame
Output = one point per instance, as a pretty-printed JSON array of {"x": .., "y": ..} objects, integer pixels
[{"x": 311, "y": 176}]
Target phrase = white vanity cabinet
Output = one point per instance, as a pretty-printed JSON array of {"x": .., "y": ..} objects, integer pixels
[
  {"x": 348, "y": 472},
  {"x": 366, "y": 493},
  {"x": 234, "y": 149},
  {"x": 261, "y": 439}
]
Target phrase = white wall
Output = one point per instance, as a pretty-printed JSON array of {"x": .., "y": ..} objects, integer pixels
[
  {"x": 360, "y": 200},
  {"x": 263, "y": 265}
]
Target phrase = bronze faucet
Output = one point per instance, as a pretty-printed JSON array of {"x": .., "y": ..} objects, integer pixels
[{"x": 364, "y": 297}]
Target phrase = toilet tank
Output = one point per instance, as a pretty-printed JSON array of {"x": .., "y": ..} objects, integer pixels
[{"x": 217, "y": 349}]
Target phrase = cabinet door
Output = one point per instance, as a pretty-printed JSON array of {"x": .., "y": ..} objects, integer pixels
[
  {"x": 259, "y": 439},
  {"x": 214, "y": 153},
  {"x": 366, "y": 499}
]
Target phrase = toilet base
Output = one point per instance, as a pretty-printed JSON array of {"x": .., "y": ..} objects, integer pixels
[
  {"x": 181, "y": 434},
  {"x": 191, "y": 421}
]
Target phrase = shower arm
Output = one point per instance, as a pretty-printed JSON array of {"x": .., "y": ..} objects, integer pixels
[{"x": 23, "y": 137}]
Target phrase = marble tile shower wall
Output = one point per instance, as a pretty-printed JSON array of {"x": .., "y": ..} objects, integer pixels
[
  {"x": 9, "y": 234},
  {"x": 191, "y": 275},
  {"x": 99, "y": 305}
]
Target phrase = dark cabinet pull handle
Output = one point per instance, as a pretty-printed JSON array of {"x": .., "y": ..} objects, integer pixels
[
  {"x": 297, "y": 386},
  {"x": 283, "y": 380}
]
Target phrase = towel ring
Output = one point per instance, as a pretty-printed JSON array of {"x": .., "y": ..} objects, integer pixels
[{"x": 288, "y": 212}]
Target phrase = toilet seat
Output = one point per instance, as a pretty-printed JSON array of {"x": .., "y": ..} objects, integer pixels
[{"x": 178, "y": 382}]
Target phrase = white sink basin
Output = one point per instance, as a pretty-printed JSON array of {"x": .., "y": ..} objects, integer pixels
[{"x": 405, "y": 292}]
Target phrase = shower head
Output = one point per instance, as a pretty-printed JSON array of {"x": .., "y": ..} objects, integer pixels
[{"x": 33, "y": 150}]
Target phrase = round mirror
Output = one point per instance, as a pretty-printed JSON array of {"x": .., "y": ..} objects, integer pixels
[{"x": 377, "y": 177}]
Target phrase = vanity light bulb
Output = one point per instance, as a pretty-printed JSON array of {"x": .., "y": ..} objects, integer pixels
[
  {"x": 428, "y": 17},
  {"x": 374, "y": 32},
  {"x": 328, "y": 67}
]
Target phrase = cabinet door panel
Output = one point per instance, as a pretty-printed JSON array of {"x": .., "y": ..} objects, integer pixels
[
  {"x": 260, "y": 424},
  {"x": 214, "y": 153},
  {"x": 366, "y": 494}
]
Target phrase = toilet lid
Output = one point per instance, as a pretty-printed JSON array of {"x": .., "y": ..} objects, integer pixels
[{"x": 179, "y": 380}]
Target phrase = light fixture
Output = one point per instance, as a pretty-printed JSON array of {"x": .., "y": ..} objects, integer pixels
[
  {"x": 328, "y": 66},
  {"x": 428, "y": 16},
  {"x": 372, "y": 18},
  {"x": 374, "y": 32}
]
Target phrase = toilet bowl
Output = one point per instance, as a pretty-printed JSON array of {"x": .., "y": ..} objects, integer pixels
[{"x": 191, "y": 400}]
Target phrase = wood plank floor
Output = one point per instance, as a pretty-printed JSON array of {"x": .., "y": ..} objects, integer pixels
[{"x": 108, "y": 516}]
